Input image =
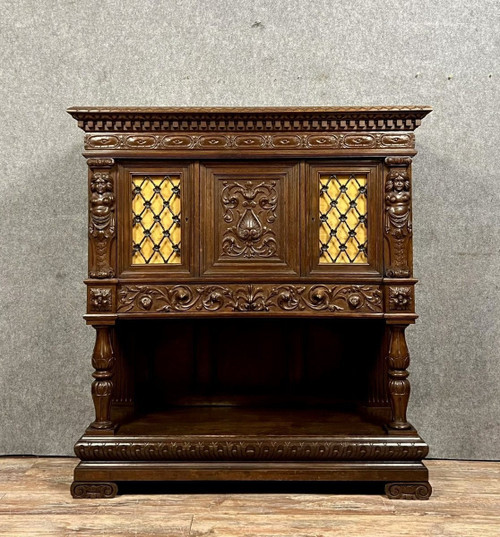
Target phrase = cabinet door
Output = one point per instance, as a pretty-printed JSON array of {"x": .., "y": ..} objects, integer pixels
[
  {"x": 249, "y": 224},
  {"x": 155, "y": 204},
  {"x": 344, "y": 218}
]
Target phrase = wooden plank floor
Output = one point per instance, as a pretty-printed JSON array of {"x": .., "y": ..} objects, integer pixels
[{"x": 35, "y": 500}]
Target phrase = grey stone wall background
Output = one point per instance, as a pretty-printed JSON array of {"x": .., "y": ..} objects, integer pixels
[{"x": 55, "y": 54}]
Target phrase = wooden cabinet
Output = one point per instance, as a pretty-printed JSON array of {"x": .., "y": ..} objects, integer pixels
[{"x": 250, "y": 283}]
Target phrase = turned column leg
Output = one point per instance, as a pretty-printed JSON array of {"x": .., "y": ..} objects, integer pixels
[
  {"x": 398, "y": 361},
  {"x": 102, "y": 387}
]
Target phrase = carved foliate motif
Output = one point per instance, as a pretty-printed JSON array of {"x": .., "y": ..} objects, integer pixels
[
  {"x": 397, "y": 219},
  {"x": 102, "y": 223},
  {"x": 251, "y": 209},
  {"x": 328, "y": 299},
  {"x": 400, "y": 298},
  {"x": 243, "y": 449},
  {"x": 101, "y": 299}
]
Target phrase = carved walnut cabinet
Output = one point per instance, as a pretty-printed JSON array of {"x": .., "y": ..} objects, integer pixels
[{"x": 250, "y": 283}]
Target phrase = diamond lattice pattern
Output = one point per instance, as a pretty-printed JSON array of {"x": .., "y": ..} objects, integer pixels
[
  {"x": 156, "y": 220},
  {"x": 343, "y": 219}
]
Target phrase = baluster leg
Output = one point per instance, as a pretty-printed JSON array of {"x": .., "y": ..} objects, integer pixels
[
  {"x": 398, "y": 361},
  {"x": 102, "y": 387}
]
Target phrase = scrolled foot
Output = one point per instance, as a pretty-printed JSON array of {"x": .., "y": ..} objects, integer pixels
[
  {"x": 408, "y": 491},
  {"x": 94, "y": 490}
]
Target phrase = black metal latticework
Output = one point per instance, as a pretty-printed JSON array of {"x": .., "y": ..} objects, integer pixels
[
  {"x": 156, "y": 222},
  {"x": 343, "y": 217}
]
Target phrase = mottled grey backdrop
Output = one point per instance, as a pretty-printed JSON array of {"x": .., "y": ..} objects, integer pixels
[{"x": 55, "y": 54}]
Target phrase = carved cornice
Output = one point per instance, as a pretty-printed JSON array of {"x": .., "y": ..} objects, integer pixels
[
  {"x": 260, "y": 298},
  {"x": 268, "y": 449},
  {"x": 133, "y": 119},
  {"x": 249, "y": 142}
]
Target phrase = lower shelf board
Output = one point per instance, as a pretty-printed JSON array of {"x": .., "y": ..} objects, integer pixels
[{"x": 259, "y": 421}]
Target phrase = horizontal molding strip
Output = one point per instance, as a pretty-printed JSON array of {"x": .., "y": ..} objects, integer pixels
[{"x": 250, "y": 142}]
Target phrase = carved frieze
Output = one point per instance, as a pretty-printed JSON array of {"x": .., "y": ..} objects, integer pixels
[
  {"x": 328, "y": 299},
  {"x": 269, "y": 449},
  {"x": 238, "y": 142},
  {"x": 250, "y": 209},
  {"x": 397, "y": 218},
  {"x": 102, "y": 223}
]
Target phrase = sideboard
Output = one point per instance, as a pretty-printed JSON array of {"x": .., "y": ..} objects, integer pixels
[{"x": 250, "y": 282}]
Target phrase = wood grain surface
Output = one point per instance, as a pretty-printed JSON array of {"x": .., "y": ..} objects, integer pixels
[{"x": 35, "y": 500}]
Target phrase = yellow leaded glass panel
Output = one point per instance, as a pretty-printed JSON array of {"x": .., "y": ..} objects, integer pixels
[
  {"x": 156, "y": 220},
  {"x": 343, "y": 219}
]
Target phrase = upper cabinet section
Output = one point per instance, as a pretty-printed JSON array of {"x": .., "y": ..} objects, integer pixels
[
  {"x": 252, "y": 132},
  {"x": 311, "y": 195}
]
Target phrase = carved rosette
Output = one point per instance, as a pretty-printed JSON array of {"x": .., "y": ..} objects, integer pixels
[
  {"x": 100, "y": 299},
  {"x": 272, "y": 449},
  {"x": 102, "y": 218},
  {"x": 251, "y": 208},
  {"x": 397, "y": 218},
  {"x": 401, "y": 298},
  {"x": 328, "y": 299},
  {"x": 408, "y": 491}
]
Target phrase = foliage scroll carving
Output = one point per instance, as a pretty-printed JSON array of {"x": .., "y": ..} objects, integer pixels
[{"x": 270, "y": 298}]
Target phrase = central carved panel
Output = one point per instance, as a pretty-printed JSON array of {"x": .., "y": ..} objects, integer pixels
[
  {"x": 251, "y": 208},
  {"x": 251, "y": 212}
]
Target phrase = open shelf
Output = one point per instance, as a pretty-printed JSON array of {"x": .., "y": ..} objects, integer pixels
[{"x": 238, "y": 421}]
